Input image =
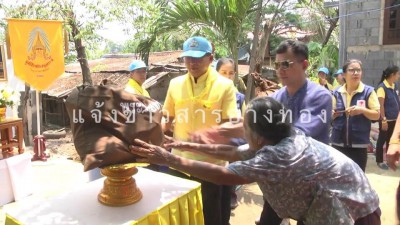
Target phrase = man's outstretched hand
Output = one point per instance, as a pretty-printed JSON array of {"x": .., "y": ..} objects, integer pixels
[{"x": 151, "y": 153}]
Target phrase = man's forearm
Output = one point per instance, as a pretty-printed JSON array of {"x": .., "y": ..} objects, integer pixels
[
  {"x": 206, "y": 171},
  {"x": 218, "y": 151}
]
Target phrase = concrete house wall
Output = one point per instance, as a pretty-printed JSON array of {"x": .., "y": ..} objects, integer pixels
[{"x": 361, "y": 37}]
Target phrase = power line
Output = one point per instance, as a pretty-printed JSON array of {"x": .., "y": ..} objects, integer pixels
[
  {"x": 351, "y": 14},
  {"x": 351, "y": 1}
]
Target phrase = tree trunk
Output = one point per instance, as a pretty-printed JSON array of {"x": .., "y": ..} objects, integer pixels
[
  {"x": 81, "y": 52},
  {"x": 264, "y": 41},
  {"x": 332, "y": 25},
  {"x": 268, "y": 27},
  {"x": 253, "y": 53},
  {"x": 234, "y": 50},
  {"x": 24, "y": 112}
]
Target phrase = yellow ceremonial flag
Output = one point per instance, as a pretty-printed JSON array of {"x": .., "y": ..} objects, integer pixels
[{"x": 37, "y": 51}]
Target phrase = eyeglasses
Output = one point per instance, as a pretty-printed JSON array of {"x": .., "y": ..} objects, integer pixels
[
  {"x": 283, "y": 65},
  {"x": 353, "y": 71}
]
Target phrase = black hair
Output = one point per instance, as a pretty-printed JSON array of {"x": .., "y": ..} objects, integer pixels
[
  {"x": 389, "y": 71},
  {"x": 223, "y": 61},
  {"x": 350, "y": 61},
  {"x": 299, "y": 49},
  {"x": 268, "y": 119}
]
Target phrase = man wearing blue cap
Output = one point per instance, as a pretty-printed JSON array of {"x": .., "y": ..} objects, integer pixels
[
  {"x": 198, "y": 100},
  {"x": 138, "y": 73},
  {"x": 339, "y": 78},
  {"x": 323, "y": 73}
]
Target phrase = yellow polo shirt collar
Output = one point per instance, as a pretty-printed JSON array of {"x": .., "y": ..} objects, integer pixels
[
  {"x": 330, "y": 87},
  {"x": 202, "y": 85},
  {"x": 347, "y": 96},
  {"x": 373, "y": 102},
  {"x": 359, "y": 89},
  {"x": 201, "y": 79},
  {"x": 386, "y": 83},
  {"x": 133, "y": 84}
]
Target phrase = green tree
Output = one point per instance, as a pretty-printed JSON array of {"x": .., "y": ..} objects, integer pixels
[
  {"x": 323, "y": 48},
  {"x": 270, "y": 14},
  {"x": 138, "y": 16},
  {"x": 319, "y": 55},
  {"x": 320, "y": 20},
  {"x": 221, "y": 18}
]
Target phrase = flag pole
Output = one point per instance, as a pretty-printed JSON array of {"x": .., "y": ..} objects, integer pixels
[
  {"x": 38, "y": 114},
  {"x": 39, "y": 154},
  {"x": 38, "y": 140}
]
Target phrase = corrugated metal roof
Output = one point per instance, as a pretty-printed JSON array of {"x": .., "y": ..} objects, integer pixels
[
  {"x": 66, "y": 83},
  {"x": 121, "y": 62},
  {"x": 112, "y": 67}
]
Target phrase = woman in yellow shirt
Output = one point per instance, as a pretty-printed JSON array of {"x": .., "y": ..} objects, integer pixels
[
  {"x": 355, "y": 104},
  {"x": 387, "y": 92}
]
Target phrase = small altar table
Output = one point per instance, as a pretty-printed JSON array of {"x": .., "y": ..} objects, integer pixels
[
  {"x": 167, "y": 200},
  {"x": 7, "y": 139}
]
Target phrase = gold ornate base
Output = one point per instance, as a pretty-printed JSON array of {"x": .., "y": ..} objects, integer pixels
[{"x": 119, "y": 187}]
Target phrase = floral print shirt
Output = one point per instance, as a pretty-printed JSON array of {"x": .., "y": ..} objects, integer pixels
[{"x": 309, "y": 181}]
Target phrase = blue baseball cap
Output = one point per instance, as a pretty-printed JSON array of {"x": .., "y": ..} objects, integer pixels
[
  {"x": 136, "y": 64},
  {"x": 339, "y": 71},
  {"x": 324, "y": 70},
  {"x": 196, "y": 47}
]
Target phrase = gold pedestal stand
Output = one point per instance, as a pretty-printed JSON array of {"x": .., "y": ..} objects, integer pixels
[{"x": 119, "y": 187}]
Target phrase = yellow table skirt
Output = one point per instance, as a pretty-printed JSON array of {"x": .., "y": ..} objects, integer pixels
[{"x": 184, "y": 210}]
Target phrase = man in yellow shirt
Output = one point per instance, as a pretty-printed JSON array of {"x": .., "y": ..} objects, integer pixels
[
  {"x": 138, "y": 75},
  {"x": 339, "y": 79},
  {"x": 323, "y": 73},
  {"x": 198, "y": 100}
]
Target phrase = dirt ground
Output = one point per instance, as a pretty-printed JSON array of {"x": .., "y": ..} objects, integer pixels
[{"x": 63, "y": 147}]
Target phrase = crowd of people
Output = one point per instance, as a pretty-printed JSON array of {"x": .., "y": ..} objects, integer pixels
[{"x": 305, "y": 146}]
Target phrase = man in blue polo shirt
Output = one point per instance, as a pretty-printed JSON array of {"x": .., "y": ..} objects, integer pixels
[{"x": 309, "y": 104}]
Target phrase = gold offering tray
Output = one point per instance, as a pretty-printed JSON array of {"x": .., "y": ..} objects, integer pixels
[{"x": 120, "y": 187}]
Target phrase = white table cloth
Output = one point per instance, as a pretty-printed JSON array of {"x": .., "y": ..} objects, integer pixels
[
  {"x": 15, "y": 178},
  {"x": 81, "y": 206}
]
